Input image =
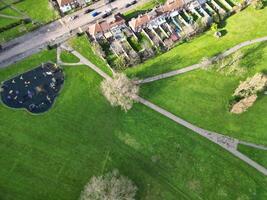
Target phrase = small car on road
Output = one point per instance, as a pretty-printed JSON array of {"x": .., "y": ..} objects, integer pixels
[{"x": 94, "y": 14}]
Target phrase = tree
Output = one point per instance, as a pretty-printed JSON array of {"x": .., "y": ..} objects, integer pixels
[
  {"x": 257, "y": 4},
  {"x": 214, "y": 27},
  {"x": 120, "y": 63},
  {"x": 120, "y": 91},
  {"x": 111, "y": 186}
]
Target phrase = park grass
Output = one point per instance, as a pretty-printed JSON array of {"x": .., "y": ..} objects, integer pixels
[
  {"x": 41, "y": 12},
  {"x": 258, "y": 155},
  {"x": 246, "y": 25},
  {"x": 203, "y": 97},
  {"x": 67, "y": 57},
  {"x": 142, "y": 9},
  {"x": 52, "y": 156},
  {"x": 84, "y": 47}
]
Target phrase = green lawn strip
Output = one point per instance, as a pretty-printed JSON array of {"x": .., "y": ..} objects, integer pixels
[
  {"x": 53, "y": 155},
  {"x": 84, "y": 47},
  {"x": 39, "y": 11},
  {"x": 15, "y": 32},
  {"x": 68, "y": 57},
  {"x": 9, "y": 12},
  {"x": 202, "y": 97},
  {"x": 246, "y": 25},
  {"x": 257, "y": 155},
  {"x": 141, "y": 9}
]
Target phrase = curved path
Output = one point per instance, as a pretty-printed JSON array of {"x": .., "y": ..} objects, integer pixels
[
  {"x": 228, "y": 143},
  {"x": 204, "y": 64}
]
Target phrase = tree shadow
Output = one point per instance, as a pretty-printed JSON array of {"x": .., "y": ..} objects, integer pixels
[
  {"x": 254, "y": 55},
  {"x": 223, "y": 32}
]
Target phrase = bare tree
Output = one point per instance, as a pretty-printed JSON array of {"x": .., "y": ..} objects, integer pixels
[
  {"x": 120, "y": 91},
  {"x": 111, "y": 186}
]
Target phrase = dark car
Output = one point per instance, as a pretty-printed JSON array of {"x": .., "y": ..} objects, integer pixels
[
  {"x": 133, "y": 2},
  {"x": 88, "y": 11},
  {"x": 106, "y": 15},
  {"x": 128, "y": 5}
]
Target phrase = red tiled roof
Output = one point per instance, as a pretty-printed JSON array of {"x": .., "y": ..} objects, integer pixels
[
  {"x": 171, "y": 5},
  {"x": 139, "y": 21},
  {"x": 98, "y": 27},
  {"x": 64, "y": 2}
]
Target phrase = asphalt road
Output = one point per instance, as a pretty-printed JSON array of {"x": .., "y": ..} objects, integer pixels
[{"x": 56, "y": 32}]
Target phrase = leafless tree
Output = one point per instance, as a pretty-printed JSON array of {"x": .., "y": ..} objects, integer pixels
[
  {"x": 111, "y": 186},
  {"x": 120, "y": 91}
]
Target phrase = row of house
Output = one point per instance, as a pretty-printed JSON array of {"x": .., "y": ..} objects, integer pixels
[
  {"x": 67, "y": 5},
  {"x": 163, "y": 26}
]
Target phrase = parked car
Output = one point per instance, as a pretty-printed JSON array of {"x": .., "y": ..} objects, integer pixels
[
  {"x": 133, "y": 2},
  {"x": 94, "y": 14},
  {"x": 108, "y": 12},
  {"x": 128, "y": 5},
  {"x": 88, "y": 11}
]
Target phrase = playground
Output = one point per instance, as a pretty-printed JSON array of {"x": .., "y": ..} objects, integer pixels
[{"x": 34, "y": 90}]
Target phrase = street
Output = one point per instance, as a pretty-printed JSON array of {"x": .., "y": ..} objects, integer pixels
[{"x": 56, "y": 32}]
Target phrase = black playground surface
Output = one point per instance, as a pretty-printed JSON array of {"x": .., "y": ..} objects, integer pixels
[{"x": 34, "y": 90}]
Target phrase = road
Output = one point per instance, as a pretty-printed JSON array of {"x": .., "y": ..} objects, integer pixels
[{"x": 56, "y": 32}]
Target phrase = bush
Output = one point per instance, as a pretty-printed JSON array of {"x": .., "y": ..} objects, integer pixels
[
  {"x": 257, "y": 4},
  {"x": 111, "y": 186},
  {"x": 214, "y": 27},
  {"x": 120, "y": 91}
]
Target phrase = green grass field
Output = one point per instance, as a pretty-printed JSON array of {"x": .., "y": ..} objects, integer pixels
[
  {"x": 52, "y": 156},
  {"x": 39, "y": 11},
  {"x": 202, "y": 97},
  {"x": 68, "y": 57},
  {"x": 246, "y": 25},
  {"x": 258, "y": 155},
  {"x": 83, "y": 46}
]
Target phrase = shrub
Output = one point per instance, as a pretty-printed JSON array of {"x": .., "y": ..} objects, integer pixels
[
  {"x": 251, "y": 86},
  {"x": 111, "y": 186},
  {"x": 257, "y": 4}
]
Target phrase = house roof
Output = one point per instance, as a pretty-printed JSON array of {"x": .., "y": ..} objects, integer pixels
[
  {"x": 104, "y": 26},
  {"x": 171, "y": 5},
  {"x": 98, "y": 27},
  {"x": 116, "y": 20},
  {"x": 64, "y": 2},
  {"x": 139, "y": 21}
]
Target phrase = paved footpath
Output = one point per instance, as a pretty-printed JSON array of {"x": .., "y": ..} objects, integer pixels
[
  {"x": 228, "y": 143},
  {"x": 85, "y": 61},
  {"x": 199, "y": 65}
]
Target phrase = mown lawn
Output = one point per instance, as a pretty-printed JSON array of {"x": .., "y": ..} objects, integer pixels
[
  {"x": 246, "y": 25},
  {"x": 202, "y": 97},
  {"x": 84, "y": 47},
  {"x": 52, "y": 156},
  {"x": 41, "y": 12},
  {"x": 258, "y": 155},
  {"x": 68, "y": 57}
]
